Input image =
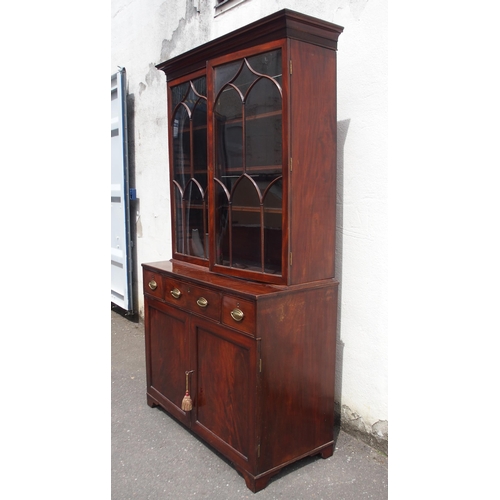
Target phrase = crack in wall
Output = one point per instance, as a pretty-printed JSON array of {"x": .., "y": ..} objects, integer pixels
[{"x": 168, "y": 45}]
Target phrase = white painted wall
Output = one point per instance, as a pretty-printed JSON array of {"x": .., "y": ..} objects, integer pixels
[{"x": 144, "y": 33}]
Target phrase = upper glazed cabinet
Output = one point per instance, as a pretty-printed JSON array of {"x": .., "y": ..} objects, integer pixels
[{"x": 252, "y": 140}]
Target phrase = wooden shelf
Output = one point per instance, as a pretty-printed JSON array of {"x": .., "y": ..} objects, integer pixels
[
  {"x": 260, "y": 116},
  {"x": 256, "y": 209},
  {"x": 254, "y": 169}
]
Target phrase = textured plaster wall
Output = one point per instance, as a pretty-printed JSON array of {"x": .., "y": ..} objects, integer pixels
[{"x": 144, "y": 33}]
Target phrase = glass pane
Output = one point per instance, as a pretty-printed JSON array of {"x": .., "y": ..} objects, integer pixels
[
  {"x": 200, "y": 85},
  {"x": 263, "y": 127},
  {"x": 267, "y": 64},
  {"x": 179, "y": 240},
  {"x": 196, "y": 229},
  {"x": 182, "y": 149},
  {"x": 200, "y": 138},
  {"x": 246, "y": 226},
  {"x": 228, "y": 132},
  {"x": 244, "y": 79},
  {"x": 273, "y": 227},
  {"x": 189, "y": 132},
  {"x": 179, "y": 93},
  {"x": 221, "y": 226},
  {"x": 191, "y": 99},
  {"x": 225, "y": 74}
]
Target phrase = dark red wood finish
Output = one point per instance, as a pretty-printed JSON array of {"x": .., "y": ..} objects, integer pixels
[
  {"x": 167, "y": 356},
  {"x": 308, "y": 138},
  {"x": 262, "y": 388},
  {"x": 298, "y": 359},
  {"x": 314, "y": 156},
  {"x": 259, "y": 348},
  {"x": 225, "y": 385}
]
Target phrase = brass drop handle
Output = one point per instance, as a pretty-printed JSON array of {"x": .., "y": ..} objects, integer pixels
[
  {"x": 176, "y": 293},
  {"x": 153, "y": 285},
  {"x": 237, "y": 314},
  {"x": 202, "y": 302}
]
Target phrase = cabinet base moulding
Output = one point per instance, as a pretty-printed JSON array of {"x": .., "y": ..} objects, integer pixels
[{"x": 261, "y": 481}]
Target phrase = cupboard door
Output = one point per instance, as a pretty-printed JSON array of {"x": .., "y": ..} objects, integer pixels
[
  {"x": 167, "y": 345},
  {"x": 225, "y": 382}
]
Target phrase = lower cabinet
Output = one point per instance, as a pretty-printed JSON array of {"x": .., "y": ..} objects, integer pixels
[{"x": 257, "y": 363}]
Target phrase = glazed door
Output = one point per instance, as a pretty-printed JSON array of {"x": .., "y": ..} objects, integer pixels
[
  {"x": 168, "y": 350},
  {"x": 248, "y": 114},
  {"x": 225, "y": 382},
  {"x": 188, "y": 159}
]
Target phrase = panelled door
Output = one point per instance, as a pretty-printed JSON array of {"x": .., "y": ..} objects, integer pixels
[
  {"x": 168, "y": 352},
  {"x": 121, "y": 242},
  {"x": 225, "y": 384}
]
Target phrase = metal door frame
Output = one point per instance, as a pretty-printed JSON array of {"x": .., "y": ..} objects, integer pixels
[{"x": 121, "y": 245}]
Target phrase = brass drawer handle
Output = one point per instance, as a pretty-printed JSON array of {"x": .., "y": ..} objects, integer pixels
[
  {"x": 202, "y": 302},
  {"x": 176, "y": 293},
  {"x": 153, "y": 285},
  {"x": 237, "y": 314}
]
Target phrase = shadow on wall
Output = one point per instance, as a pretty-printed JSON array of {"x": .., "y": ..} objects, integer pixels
[
  {"x": 342, "y": 128},
  {"x": 375, "y": 435},
  {"x": 134, "y": 204}
]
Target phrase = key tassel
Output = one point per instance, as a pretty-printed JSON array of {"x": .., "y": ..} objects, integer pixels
[{"x": 187, "y": 402}]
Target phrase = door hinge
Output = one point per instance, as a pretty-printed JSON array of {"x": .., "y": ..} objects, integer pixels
[
  {"x": 258, "y": 451},
  {"x": 291, "y": 164},
  {"x": 291, "y": 69},
  {"x": 291, "y": 258},
  {"x": 260, "y": 365}
]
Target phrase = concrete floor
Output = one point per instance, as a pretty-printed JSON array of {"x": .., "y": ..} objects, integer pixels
[{"x": 154, "y": 457}]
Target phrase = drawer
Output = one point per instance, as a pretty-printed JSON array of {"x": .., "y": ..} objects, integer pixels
[
  {"x": 193, "y": 298},
  {"x": 153, "y": 284},
  {"x": 238, "y": 313},
  {"x": 176, "y": 292},
  {"x": 204, "y": 302}
]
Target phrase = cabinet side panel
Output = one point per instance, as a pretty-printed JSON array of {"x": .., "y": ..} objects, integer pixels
[
  {"x": 314, "y": 162},
  {"x": 298, "y": 374}
]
